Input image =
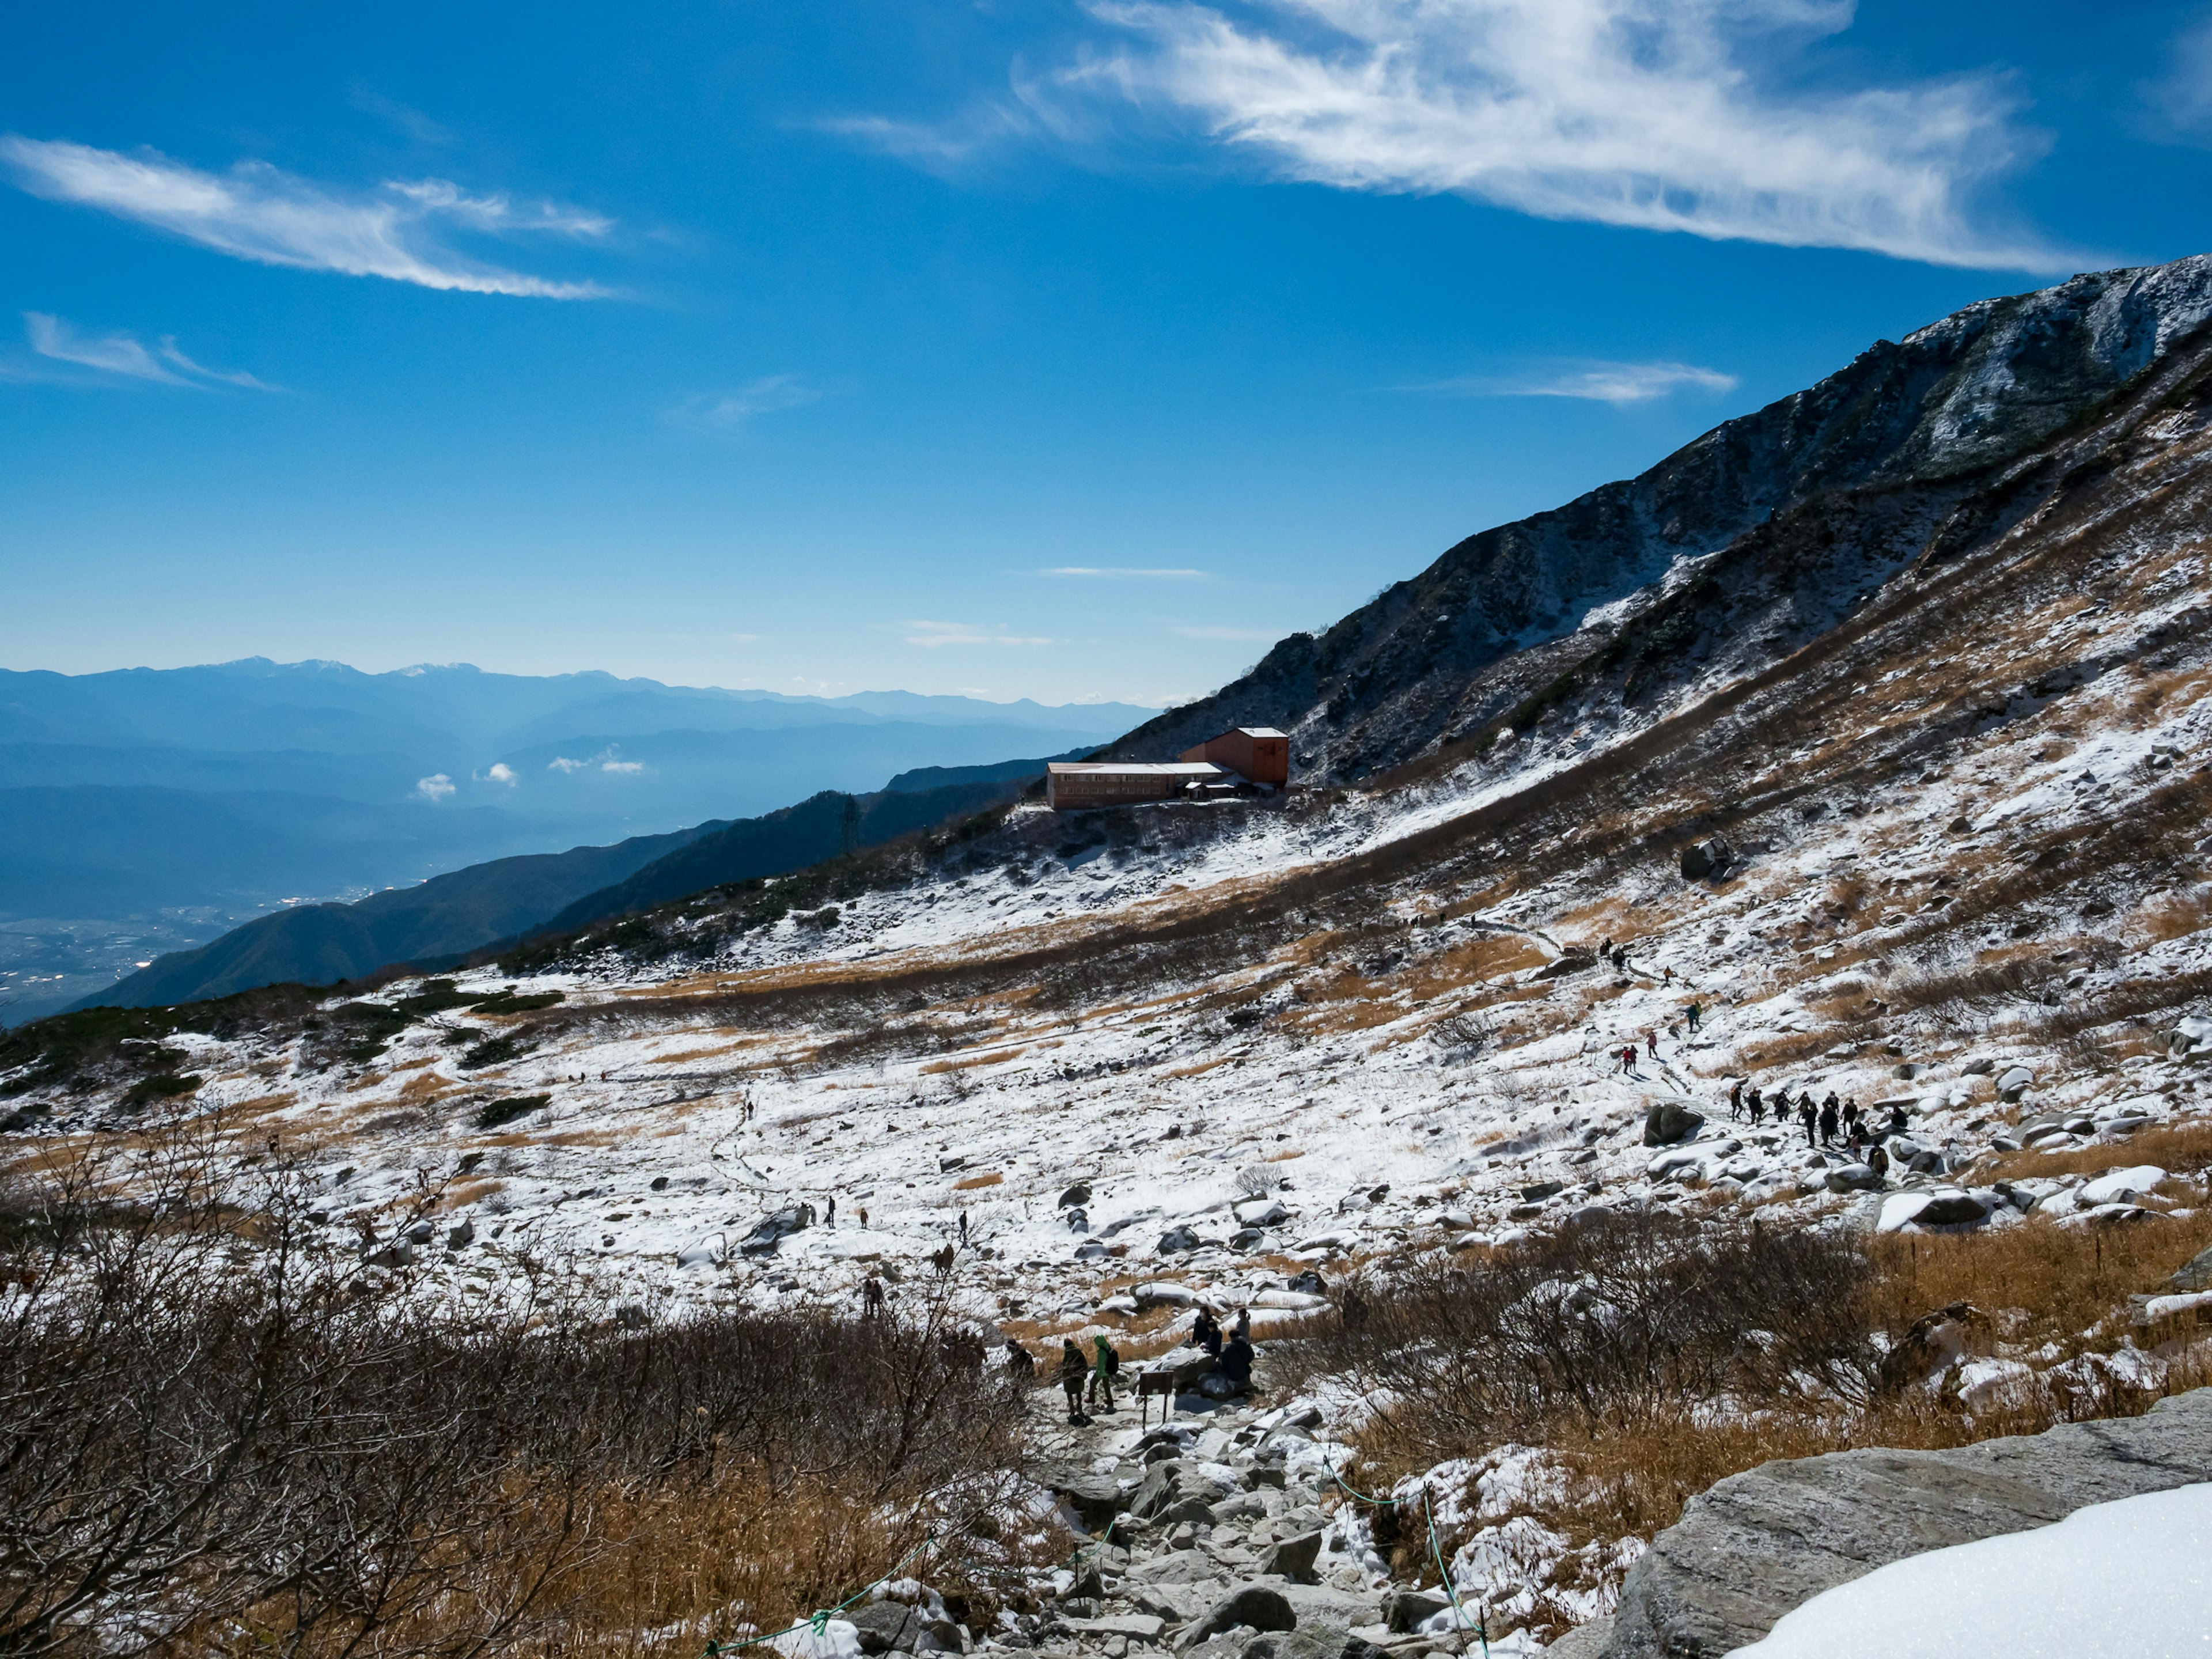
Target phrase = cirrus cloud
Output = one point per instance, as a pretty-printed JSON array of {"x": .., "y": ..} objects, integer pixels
[
  {"x": 258, "y": 213},
  {"x": 1677, "y": 115},
  {"x": 932, "y": 634},
  {"x": 124, "y": 355},
  {"x": 1594, "y": 380}
]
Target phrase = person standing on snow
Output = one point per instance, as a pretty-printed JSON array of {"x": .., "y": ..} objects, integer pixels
[
  {"x": 1102, "y": 1375},
  {"x": 1735, "y": 1100},
  {"x": 1072, "y": 1371},
  {"x": 1651, "y": 1043},
  {"x": 1695, "y": 1013},
  {"x": 1809, "y": 1115},
  {"x": 1827, "y": 1118}
]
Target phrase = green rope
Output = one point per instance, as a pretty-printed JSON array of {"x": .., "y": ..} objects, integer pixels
[
  {"x": 818, "y": 1622},
  {"x": 1480, "y": 1622}
]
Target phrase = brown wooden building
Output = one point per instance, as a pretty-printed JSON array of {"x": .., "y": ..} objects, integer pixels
[
  {"x": 1259, "y": 753},
  {"x": 1228, "y": 764}
]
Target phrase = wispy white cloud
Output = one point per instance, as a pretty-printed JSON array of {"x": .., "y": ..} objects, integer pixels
[
  {"x": 1218, "y": 631},
  {"x": 2178, "y": 100},
  {"x": 1597, "y": 381},
  {"x": 623, "y": 768},
  {"x": 499, "y": 772},
  {"x": 257, "y": 212},
  {"x": 1679, "y": 115},
  {"x": 724, "y": 411},
  {"x": 436, "y": 787},
  {"x": 1126, "y": 573},
  {"x": 407, "y": 118},
  {"x": 934, "y": 634},
  {"x": 124, "y": 355},
  {"x": 563, "y": 763}
]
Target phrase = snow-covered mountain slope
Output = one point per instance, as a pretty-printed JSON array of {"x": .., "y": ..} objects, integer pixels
[
  {"x": 1882, "y": 450},
  {"x": 1965, "y": 878}
]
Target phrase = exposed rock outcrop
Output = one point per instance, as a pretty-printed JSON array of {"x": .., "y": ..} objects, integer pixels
[{"x": 1760, "y": 1543}]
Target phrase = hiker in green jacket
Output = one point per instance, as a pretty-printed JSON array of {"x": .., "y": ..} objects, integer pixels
[{"x": 1102, "y": 1375}]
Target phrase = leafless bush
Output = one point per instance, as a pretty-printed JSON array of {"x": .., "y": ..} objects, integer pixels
[
  {"x": 220, "y": 1428},
  {"x": 1256, "y": 1180},
  {"x": 1609, "y": 1326}
]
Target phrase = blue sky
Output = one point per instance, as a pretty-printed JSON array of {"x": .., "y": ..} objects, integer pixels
[{"x": 1045, "y": 349}]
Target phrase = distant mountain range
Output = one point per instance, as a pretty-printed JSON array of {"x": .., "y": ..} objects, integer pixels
[{"x": 147, "y": 809}]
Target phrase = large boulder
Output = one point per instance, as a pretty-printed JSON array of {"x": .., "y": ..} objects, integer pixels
[
  {"x": 1760, "y": 1543},
  {"x": 1094, "y": 1499},
  {"x": 1670, "y": 1120},
  {"x": 1950, "y": 1207},
  {"x": 2121, "y": 1186},
  {"x": 1165, "y": 1484},
  {"x": 1406, "y": 1610},
  {"x": 2196, "y": 1273},
  {"x": 886, "y": 1627},
  {"x": 1293, "y": 1557},
  {"x": 1711, "y": 857},
  {"x": 1256, "y": 1607},
  {"x": 773, "y": 1230}
]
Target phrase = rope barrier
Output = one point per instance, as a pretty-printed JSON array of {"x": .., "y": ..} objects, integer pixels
[
  {"x": 818, "y": 1622},
  {"x": 1480, "y": 1622}
]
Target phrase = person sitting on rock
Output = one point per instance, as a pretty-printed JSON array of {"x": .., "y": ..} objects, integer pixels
[{"x": 1206, "y": 1333}]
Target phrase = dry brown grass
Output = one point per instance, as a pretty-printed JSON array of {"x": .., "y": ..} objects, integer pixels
[
  {"x": 972, "y": 1183},
  {"x": 2176, "y": 1148},
  {"x": 2065, "y": 1280}
]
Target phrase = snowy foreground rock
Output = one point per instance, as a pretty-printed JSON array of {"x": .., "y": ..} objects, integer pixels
[
  {"x": 2134, "y": 1575},
  {"x": 1762, "y": 1543}
]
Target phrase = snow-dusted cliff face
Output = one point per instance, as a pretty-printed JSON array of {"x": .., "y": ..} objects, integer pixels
[{"x": 1931, "y": 417}]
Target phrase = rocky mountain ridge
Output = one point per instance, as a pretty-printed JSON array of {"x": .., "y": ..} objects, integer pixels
[{"x": 1910, "y": 424}]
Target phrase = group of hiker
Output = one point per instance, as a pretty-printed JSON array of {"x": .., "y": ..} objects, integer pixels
[
  {"x": 1826, "y": 1123},
  {"x": 1088, "y": 1379}
]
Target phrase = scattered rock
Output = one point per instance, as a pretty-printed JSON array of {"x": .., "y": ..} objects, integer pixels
[
  {"x": 2015, "y": 1082},
  {"x": 1307, "y": 1283},
  {"x": 1178, "y": 1240},
  {"x": 462, "y": 1236},
  {"x": 631, "y": 1316},
  {"x": 1853, "y": 1178},
  {"x": 1079, "y": 1193},
  {"x": 1542, "y": 1190}
]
